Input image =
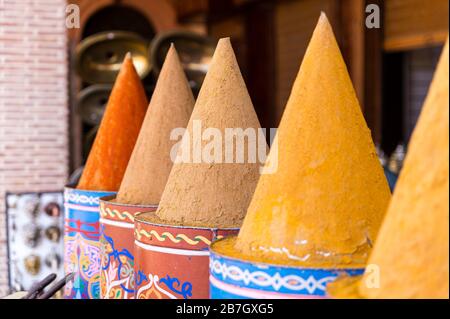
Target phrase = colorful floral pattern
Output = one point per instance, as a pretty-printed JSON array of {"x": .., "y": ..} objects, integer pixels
[
  {"x": 79, "y": 252},
  {"x": 159, "y": 288},
  {"x": 117, "y": 270},
  {"x": 81, "y": 243}
]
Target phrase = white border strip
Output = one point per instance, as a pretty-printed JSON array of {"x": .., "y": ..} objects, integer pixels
[
  {"x": 83, "y": 208},
  {"x": 116, "y": 223},
  {"x": 173, "y": 251},
  {"x": 254, "y": 293}
]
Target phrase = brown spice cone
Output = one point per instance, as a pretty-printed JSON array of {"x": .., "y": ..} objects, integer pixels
[
  {"x": 215, "y": 194},
  {"x": 150, "y": 163}
]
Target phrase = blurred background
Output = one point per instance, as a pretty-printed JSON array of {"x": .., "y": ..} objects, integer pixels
[{"x": 55, "y": 82}]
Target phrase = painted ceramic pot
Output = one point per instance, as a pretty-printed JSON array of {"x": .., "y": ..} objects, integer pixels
[
  {"x": 81, "y": 242},
  {"x": 117, "y": 248},
  {"x": 172, "y": 261},
  {"x": 232, "y": 278}
]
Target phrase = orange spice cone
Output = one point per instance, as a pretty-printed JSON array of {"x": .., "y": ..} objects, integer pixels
[
  {"x": 101, "y": 177},
  {"x": 320, "y": 211},
  {"x": 410, "y": 256},
  {"x": 118, "y": 132},
  {"x": 150, "y": 163},
  {"x": 202, "y": 201},
  {"x": 145, "y": 177}
]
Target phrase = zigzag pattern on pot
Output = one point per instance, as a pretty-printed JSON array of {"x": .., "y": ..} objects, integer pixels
[
  {"x": 175, "y": 239},
  {"x": 114, "y": 213}
]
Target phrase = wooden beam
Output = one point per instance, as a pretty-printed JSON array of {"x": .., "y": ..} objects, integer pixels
[
  {"x": 373, "y": 75},
  {"x": 362, "y": 49},
  {"x": 351, "y": 39},
  {"x": 412, "y": 24},
  {"x": 261, "y": 77}
]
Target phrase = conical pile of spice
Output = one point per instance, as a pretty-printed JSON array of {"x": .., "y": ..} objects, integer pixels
[
  {"x": 117, "y": 133},
  {"x": 324, "y": 204},
  {"x": 410, "y": 257},
  {"x": 150, "y": 163},
  {"x": 205, "y": 192}
]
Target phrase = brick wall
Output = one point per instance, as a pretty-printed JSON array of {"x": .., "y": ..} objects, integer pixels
[{"x": 33, "y": 102}]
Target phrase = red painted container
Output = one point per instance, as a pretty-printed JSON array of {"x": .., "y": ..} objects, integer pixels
[
  {"x": 117, "y": 260},
  {"x": 172, "y": 262}
]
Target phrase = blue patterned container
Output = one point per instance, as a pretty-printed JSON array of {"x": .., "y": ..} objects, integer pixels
[
  {"x": 81, "y": 242},
  {"x": 232, "y": 278}
]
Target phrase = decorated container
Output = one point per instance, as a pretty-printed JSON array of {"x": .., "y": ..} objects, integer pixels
[
  {"x": 235, "y": 278},
  {"x": 172, "y": 261},
  {"x": 81, "y": 242},
  {"x": 117, "y": 248}
]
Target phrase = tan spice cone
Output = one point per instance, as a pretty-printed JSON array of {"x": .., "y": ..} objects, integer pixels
[
  {"x": 150, "y": 163},
  {"x": 216, "y": 194},
  {"x": 325, "y": 203},
  {"x": 412, "y": 247},
  {"x": 117, "y": 133}
]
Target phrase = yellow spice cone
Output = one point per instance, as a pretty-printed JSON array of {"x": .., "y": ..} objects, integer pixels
[
  {"x": 216, "y": 194},
  {"x": 325, "y": 203},
  {"x": 150, "y": 163},
  {"x": 117, "y": 133},
  {"x": 412, "y": 247}
]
